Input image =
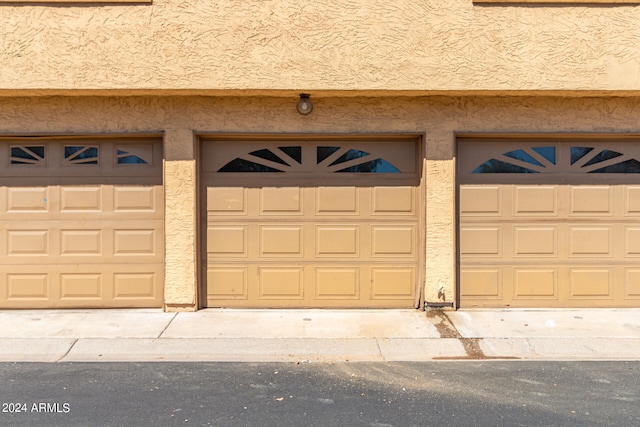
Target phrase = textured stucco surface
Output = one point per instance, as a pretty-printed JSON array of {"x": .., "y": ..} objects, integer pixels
[
  {"x": 439, "y": 118},
  {"x": 180, "y": 221},
  {"x": 404, "y": 45}
]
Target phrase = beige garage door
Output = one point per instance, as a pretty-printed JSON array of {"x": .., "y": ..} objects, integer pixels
[
  {"x": 311, "y": 223},
  {"x": 81, "y": 223},
  {"x": 549, "y": 223}
]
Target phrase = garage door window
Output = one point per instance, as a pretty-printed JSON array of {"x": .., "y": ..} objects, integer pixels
[
  {"x": 135, "y": 154},
  {"x": 328, "y": 159},
  {"x": 27, "y": 155},
  {"x": 81, "y": 155},
  {"x": 583, "y": 159}
]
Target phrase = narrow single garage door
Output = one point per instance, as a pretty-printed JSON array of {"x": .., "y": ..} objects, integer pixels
[
  {"x": 549, "y": 222},
  {"x": 311, "y": 223},
  {"x": 81, "y": 223}
]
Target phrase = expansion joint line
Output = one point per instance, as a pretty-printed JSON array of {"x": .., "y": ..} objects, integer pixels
[
  {"x": 68, "y": 350},
  {"x": 168, "y": 324}
]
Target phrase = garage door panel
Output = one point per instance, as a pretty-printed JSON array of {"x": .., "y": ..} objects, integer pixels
[
  {"x": 337, "y": 201},
  {"x": 337, "y": 241},
  {"x": 393, "y": 241},
  {"x": 389, "y": 282},
  {"x": 81, "y": 242},
  {"x": 227, "y": 201},
  {"x": 22, "y": 244},
  {"x": 393, "y": 201},
  {"x": 281, "y": 241},
  {"x": 483, "y": 283},
  {"x": 26, "y": 287},
  {"x": 535, "y": 282},
  {"x": 632, "y": 241},
  {"x": 81, "y": 199},
  {"x": 20, "y": 200},
  {"x": 536, "y": 201},
  {"x": 27, "y": 242},
  {"x": 632, "y": 282},
  {"x": 313, "y": 234},
  {"x": 481, "y": 201},
  {"x": 481, "y": 241},
  {"x": 137, "y": 285},
  {"x": 82, "y": 286},
  {"x": 281, "y": 201},
  {"x": 591, "y": 201},
  {"x": 136, "y": 199},
  {"x": 570, "y": 239},
  {"x": 134, "y": 285},
  {"x": 589, "y": 241},
  {"x": 588, "y": 282},
  {"x": 632, "y": 201},
  {"x": 135, "y": 242},
  {"x": 86, "y": 285},
  {"x": 281, "y": 283},
  {"x": 228, "y": 282},
  {"x": 84, "y": 203},
  {"x": 228, "y": 240},
  {"x": 98, "y": 244},
  {"x": 535, "y": 241},
  {"x": 337, "y": 282}
]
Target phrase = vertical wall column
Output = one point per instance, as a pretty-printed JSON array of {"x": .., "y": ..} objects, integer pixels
[
  {"x": 180, "y": 221},
  {"x": 440, "y": 274}
]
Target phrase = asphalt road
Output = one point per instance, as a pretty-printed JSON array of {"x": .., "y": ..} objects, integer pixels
[{"x": 486, "y": 393}]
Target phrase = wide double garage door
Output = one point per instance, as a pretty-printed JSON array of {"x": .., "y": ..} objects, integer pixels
[
  {"x": 81, "y": 223},
  {"x": 311, "y": 222},
  {"x": 549, "y": 222}
]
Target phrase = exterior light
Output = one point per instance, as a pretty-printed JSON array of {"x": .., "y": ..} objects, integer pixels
[{"x": 304, "y": 105}]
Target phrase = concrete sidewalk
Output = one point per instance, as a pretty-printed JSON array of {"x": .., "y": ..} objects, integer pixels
[{"x": 305, "y": 336}]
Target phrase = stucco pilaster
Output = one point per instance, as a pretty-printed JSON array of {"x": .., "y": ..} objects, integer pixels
[
  {"x": 180, "y": 221},
  {"x": 440, "y": 276}
]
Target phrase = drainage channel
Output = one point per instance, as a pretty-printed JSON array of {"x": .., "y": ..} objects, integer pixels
[{"x": 471, "y": 346}]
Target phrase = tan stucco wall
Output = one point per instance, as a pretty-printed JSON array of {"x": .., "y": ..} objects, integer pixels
[
  {"x": 180, "y": 220},
  {"x": 439, "y": 118},
  {"x": 291, "y": 45}
]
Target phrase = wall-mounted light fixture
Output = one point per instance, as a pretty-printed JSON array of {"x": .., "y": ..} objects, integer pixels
[{"x": 304, "y": 105}]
